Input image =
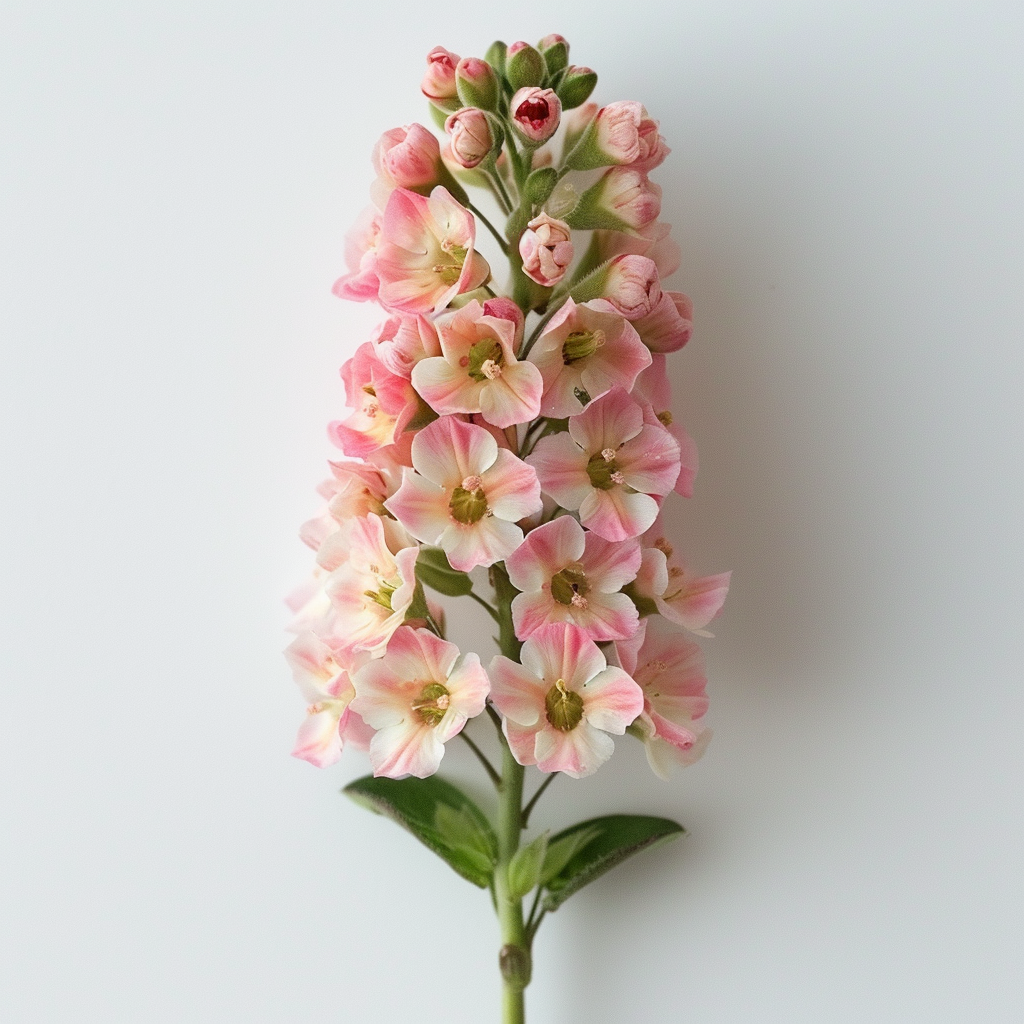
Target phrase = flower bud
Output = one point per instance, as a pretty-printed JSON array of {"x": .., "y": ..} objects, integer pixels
[
  {"x": 524, "y": 66},
  {"x": 438, "y": 83},
  {"x": 576, "y": 86},
  {"x": 623, "y": 200},
  {"x": 555, "y": 51},
  {"x": 535, "y": 114},
  {"x": 546, "y": 248},
  {"x": 495, "y": 56},
  {"x": 408, "y": 157},
  {"x": 613, "y": 137},
  {"x": 472, "y": 136},
  {"x": 476, "y": 83},
  {"x": 632, "y": 286}
]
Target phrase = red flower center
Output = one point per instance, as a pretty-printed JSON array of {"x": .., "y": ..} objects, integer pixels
[{"x": 534, "y": 111}]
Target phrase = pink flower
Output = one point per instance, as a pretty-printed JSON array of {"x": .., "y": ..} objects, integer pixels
[
  {"x": 670, "y": 671},
  {"x": 382, "y": 402},
  {"x": 561, "y": 703},
  {"x": 438, "y": 83},
  {"x": 632, "y": 287},
  {"x": 535, "y": 113},
  {"x": 402, "y": 341},
  {"x": 617, "y": 132},
  {"x": 583, "y": 353},
  {"x": 408, "y": 157},
  {"x": 355, "y": 489},
  {"x": 370, "y": 591},
  {"x": 465, "y": 494},
  {"x": 608, "y": 466},
  {"x": 653, "y": 392},
  {"x": 471, "y": 135},
  {"x": 669, "y": 324},
  {"x": 360, "y": 284},
  {"x": 425, "y": 255},
  {"x": 651, "y": 145},
  {"x": 546, "y": 248},
  {"x": 326, "y": 685},
  {"x": 417, "y": 698},
  {"x": 653, "y": 241},
  {"x": 567, "y": 574},
  {"x": 477, "y": 371},
  {"x": 684, "y": 598}
]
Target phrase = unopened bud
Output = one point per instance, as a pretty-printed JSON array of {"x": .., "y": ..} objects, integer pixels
[
  {"x": 555, "y": 50},
  {"x": 476, "y": 83},
  {"x": 576, "y": 87},
  {"x": 623, "y": 199},
  {"x": 535, "y": 114},
  {"x": 524, "y": 66},
  {"x": 472, "y": 136},
  {"x": 438, "y": 83},
  {"x": 495, "y": 56}
]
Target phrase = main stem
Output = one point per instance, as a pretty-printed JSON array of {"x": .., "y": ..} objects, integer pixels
[{"x": 514, "y": 958}]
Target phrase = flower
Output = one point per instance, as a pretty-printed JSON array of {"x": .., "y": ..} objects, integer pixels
[
  {"x": 408, "y": 157},
  {"x": 631, "y": 287},
  {"x": 476, "y": 83},
  {"x": 417, "y": 698},
  {"x": 561, "y": 703},
  {"x": 670, "y": 671},
  {"x": 568, "y": 574},
  {"x": 472, "y": 136},
  {"x": 546, "y": 248},
  {"x": 608, "y": 466},
  {"x": 623, "y": 199},
  {"x": 464, "y": 494},
  {"x": 684, "y": 598},
  {"x": 403, "y": 340},
  {"x": 360, "y": 284},
  {"x": 477, "y": 371},
  {"x": 669, "y": 324},
  {"x": 438, "y": 83},
  {"x": 382, "y": 402},
  {"x": 425, "y": 254},
  {"x": 372, "y": 589},
  {"x": 653, "y": 391},
  {"x": 326, "y": 684},
  {"x": 583, "y": 353},
  {"x": 535, "y": 114}
]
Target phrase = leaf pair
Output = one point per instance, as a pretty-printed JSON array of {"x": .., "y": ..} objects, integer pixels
[{"x": 443, "y": 818}]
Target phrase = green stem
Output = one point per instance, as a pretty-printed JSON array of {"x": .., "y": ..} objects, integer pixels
[
  {"x": 490, "y": 609},
  {"x": 536, "y": 796},
  {"x": 490, "y": 227},
  {"x": 482, "y": 757},
  {"x": 514, "y": 958},
  {"x": 552, "y": 310}
]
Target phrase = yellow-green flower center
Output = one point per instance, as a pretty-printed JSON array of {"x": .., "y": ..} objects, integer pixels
[
  {"x": 570, "y": 585},
  {"x": 485, "y": 360},
  {"x": 581, "y": 344},
  {"x": 564, "y": 707},
  {"x": 603, "y": 470},
  {"x": 433, "y": 702},
  {"x": 382, "y": 596},
  {"x": 451, "y": 271},
  {"x": 468, "y": 503}
]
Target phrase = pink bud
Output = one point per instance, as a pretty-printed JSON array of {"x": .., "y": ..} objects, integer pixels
[
  {"x": 552, "y": 40},
  {"x": 546, "y": 248},
  {"x": 632, "y": 286},
  {"x": 617, "y": 131},
  {"x": 630, "y": 196},
  {"x": 407, "y": 157},
  {"x": 535, "y": 113},
  {"x": 515, "y": 48},
  {"x": 438, "y": 83},
  {"x": 472, "y": 138}
]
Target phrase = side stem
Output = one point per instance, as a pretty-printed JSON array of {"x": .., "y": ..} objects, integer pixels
[{"x": 514, "y": 958}]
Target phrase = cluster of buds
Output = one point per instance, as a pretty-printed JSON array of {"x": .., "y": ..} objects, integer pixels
[{"x": 525, "y": 431}]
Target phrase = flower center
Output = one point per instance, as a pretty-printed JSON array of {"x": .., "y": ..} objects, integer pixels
[
  {"x": 564, "y": 707},
  {"x": 468, "y": 503},
  {"x": 603, "y": 470},
  {"x": 451, "y": 271},
  {"x": 569, "y": 587},
  {"x": 485, "y": 360},
  {"x": 534, "y": 111},
  {"x": 434, "y": 701},
  {"x": 382, "y": 596},
  {"x": 580, "y": 345}
]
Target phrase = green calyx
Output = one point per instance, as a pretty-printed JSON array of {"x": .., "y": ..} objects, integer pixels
[
  {"x": 433, "y": 703},
  {"x": 580, "y": 345},
  {"x": 485, "y": 360},
  {"x": 570, "y": 583},
  {"x": 564, "y": 707},
  {"x": 468, "y": 507}
]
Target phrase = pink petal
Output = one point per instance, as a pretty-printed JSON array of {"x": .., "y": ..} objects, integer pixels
[
  {"x": 577, "y": 753},
  {"x": 607, "y": 422},
  {"x": 318, "y": 740},
  {"x": 562, "y": 469},
  {"x": 516, "y": 692},
  {"x": 449, "y": 450},
  {"x": 617, "y": 516},
  {"x": 446, "y": 388},
  {"x": 610, "y": 566},
  {"x": 411, "y": 748},
  {"x": 545, "y": 552},
  {"x": 514, "y": 397},
  {"x": 421, "y": 507},
  {"x": 522, "y": 740},
  {"x": 612, "y": 700},
  {"x": 511, "y": 486},
  {"x": 483, "y": 543},
  {"x": 650, "y": 461}
]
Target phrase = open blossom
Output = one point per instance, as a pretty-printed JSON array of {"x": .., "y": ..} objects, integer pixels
[
  {"x": 535, "y": 113},
  {"x": 361, "y": 284},
  {"x": 546, "y": 248},
  {"x": 683, "y": 597},
  {"x": 562, "y": 702},
  {"x": 383, "y": 404},
  {"x": 371, "y": 591},
  {"x": 425, "y": 254},
  {"x": 356, "y": 488},
  {"x": 609, "y": 465},
  {"x": 417, "y": 697},
  {"x": 654, "y": 393},
  {"x": 407, "y": 157},
  {"x": 465, "y": 494},
  {"x": 583, "y": 353},
  {"x": 403, "y": 340},
  {"x": 670, "y": 671},
  {"x": 477, "y": 371},
  {"x": 325, "y": 683},
  {"x": 568, "y": 574}
]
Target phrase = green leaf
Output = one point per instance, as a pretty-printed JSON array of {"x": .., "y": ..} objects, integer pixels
[
  {"x": 441, "y": 816},
  {"x": 525, "y": 867},
  {"x": 561, "y": 851},
  {"x": 434, "y": 570},
  {"x": 611, "y": 840}
]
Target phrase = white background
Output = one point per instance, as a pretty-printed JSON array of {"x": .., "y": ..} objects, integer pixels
[{"x": 846, "y": 184}]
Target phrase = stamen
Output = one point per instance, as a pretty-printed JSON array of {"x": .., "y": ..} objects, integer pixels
[
  {"x": 490, "y": 369},
  {"x": 471, "y": 483},
  {"x": 608, "y": 454}
]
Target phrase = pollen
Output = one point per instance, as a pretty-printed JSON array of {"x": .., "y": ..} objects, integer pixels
[
  {"x": 490, "y": 369},
  {"x": 618, "y": 478},
  {"x": 608, "y": 454},
  {"x": 472, "y": 483}
]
